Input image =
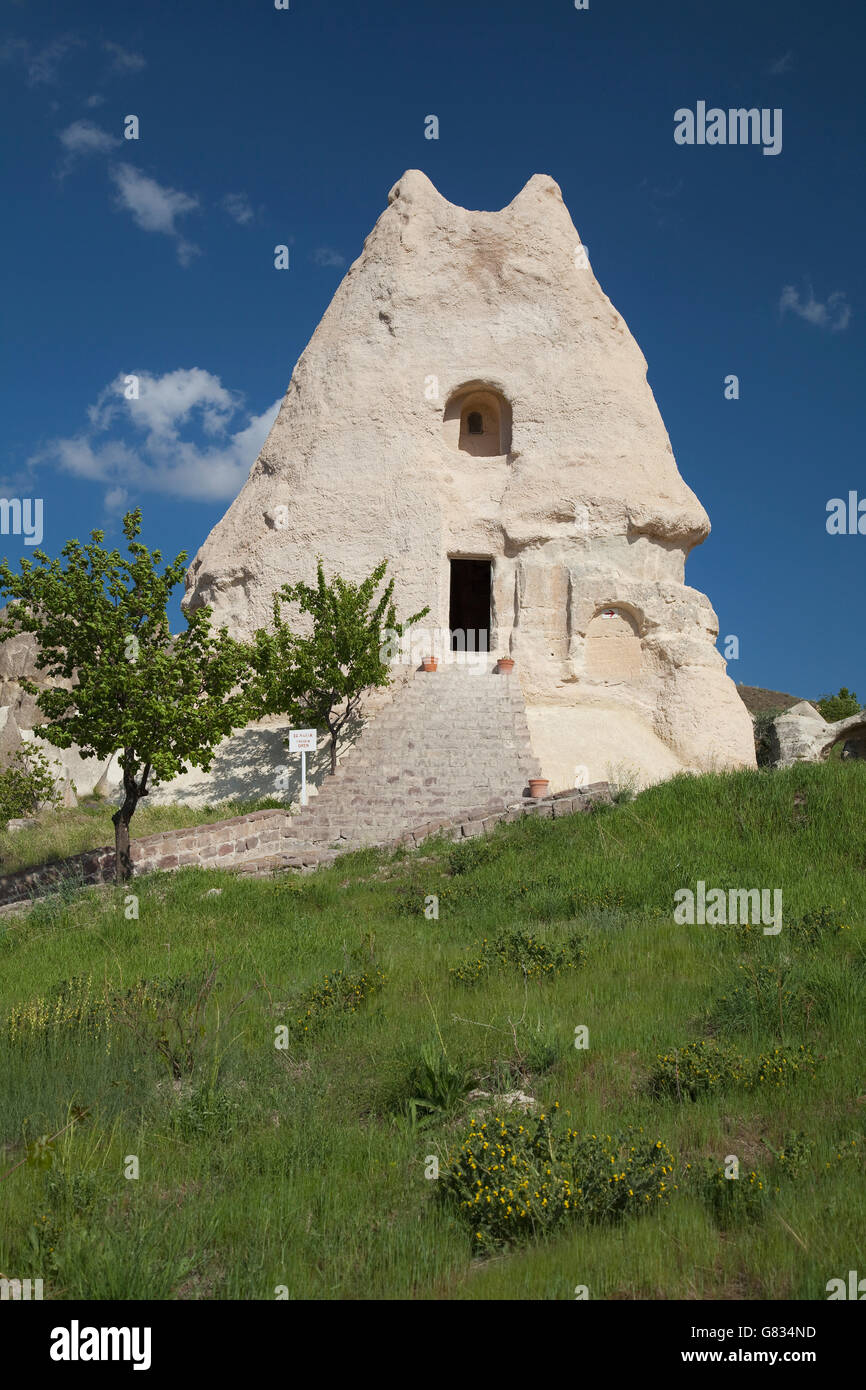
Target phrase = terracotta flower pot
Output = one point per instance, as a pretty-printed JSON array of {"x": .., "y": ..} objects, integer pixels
[
  {"x": 430, "y": 663},
  {"x": 505, "y": 665},
  {"x": 538, "y": 788}
]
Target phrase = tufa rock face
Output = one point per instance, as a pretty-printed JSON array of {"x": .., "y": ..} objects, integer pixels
[
  {"x": 471, "y": 392},
  {"x": 802, "y": 734}
]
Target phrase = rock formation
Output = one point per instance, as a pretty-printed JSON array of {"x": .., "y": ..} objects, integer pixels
[
  {"x": 802, "y": 734},
  {"x": 471, "y": 394}
]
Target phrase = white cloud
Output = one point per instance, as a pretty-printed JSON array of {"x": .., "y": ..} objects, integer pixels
[
  {"x": 166, "y": 402},
  {"x": 237, "y": 205},
  {"x": 159, "y": 452},
  {"x": 116, "y": 499},
  {"x": 122, "y": 60},
  {"x": 84, "y": 137},
  {"x": 327, "y": 256},
  {"x": 834, "y": 314},
  {"x": 97, "y": 99},
  {"x": 154, "y": 208},
  {"x": 41, "y": 64}
]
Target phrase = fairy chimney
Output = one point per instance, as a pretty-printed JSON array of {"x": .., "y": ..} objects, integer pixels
[{"x": 473, "y": 408}]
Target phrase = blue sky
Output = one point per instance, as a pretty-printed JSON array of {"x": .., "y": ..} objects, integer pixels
[{"x": 259, "y": 127}]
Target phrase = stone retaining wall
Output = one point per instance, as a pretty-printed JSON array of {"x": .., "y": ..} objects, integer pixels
[
  {"x": 266, "y": 840},
  {"x": 484, "y": 819},
  {"x": 220, "y": 844}
]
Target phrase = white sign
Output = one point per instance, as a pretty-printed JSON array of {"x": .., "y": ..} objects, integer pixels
[{"x": 302, "y": 740}]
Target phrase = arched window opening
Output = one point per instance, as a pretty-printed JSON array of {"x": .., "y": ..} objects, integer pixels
[{"x": 477, "y": 421}]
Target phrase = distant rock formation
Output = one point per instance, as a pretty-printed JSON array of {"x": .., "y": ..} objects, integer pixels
[
  {"x": 18, "y": 659},
  {"x": 802, "y": 734}
]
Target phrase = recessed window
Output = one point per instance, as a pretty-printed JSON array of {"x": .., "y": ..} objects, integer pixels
[{"x": 477, "y": 420}]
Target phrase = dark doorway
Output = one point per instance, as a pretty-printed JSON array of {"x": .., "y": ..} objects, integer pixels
[{"x": 469, "y": 615}]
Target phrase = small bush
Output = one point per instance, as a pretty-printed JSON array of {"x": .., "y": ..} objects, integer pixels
[
  {"x": 813, "y": 928},
  {"x": 26, "y": 786},
  {"x": 688, "y": 1072},
  {"x": 519, "y": 950},
  {"x": 736, "y": 1201},
  {"x": 539, "y": 1052},
  {"x": 515, "y": 1178},
  {"x": 179, "y": 1022},
  {"x": 76, "y": 1191},
  {"x": 795, "y": 1155},
  {"x": 623, "y": 781},
  {"x": 339, "y": 993},
  {"x": 806, "y": 932}
]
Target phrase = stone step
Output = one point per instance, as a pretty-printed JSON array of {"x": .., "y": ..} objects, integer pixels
[{"x": 437, "y": 747}]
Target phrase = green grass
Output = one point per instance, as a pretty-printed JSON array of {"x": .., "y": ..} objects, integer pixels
[
  {"x": 59, "y": 834},
  {"x": 304, "y": 1167}
]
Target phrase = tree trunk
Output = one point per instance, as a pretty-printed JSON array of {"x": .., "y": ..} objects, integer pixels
[
  {"x": 333, "y": 753},
  {"x": 131, "y": 794}
]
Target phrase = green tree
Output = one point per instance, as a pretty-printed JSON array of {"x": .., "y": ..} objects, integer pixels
[
  {"x": 841, "y": 706},
  {"x": 100, "y": 619},
  {"x": 26, "y": 786},
  {"x": 320, "y": 679}
]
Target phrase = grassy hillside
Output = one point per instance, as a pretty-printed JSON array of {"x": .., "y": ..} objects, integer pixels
[{"x": 304, "y": 1166}]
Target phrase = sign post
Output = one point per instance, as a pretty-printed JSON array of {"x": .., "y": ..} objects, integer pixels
[{"x": 303, "y": 741}]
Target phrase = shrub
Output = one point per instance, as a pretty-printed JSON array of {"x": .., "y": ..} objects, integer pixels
[
  {"x": 622, "y": 780},
  {"x": 794, "y": 1156},
  {"x": 841, "y": 706},
  {"x": 700, "y": 1067},
  {"x": 514, "y": 1178},
  {"x": 71, "y": 1192},
  {"x": 539, "y": 1052},
  {"x": 735, "y": 1201},
  {"x": 339, "y": 993},
  {"x": 808, "y": 931},
  {"x": 27, "y": 786},
  {"x": 519, "y": 950},
  {"x": 815, "y": 926}
]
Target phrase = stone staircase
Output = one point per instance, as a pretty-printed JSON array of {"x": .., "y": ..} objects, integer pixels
[{"x": 450, "y": 742}]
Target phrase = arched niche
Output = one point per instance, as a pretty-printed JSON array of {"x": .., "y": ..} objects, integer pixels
[
  {"x": 477, "y": 421},
  {"x": 613, "y": 650}
]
